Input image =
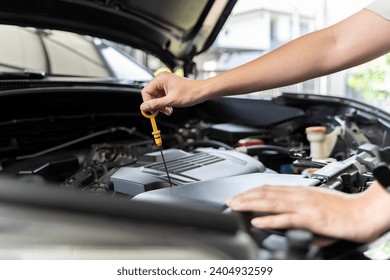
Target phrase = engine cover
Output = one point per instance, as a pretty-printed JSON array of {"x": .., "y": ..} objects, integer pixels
[
  {"x": 214, "y": 193},
  {"x": 201, "y": 165}
]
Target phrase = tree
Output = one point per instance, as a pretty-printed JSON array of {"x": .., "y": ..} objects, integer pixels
[{"x": 372, "y": 80}]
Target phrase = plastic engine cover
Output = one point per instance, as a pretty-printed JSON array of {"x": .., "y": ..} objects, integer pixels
[{"x": 201, "y": 165}]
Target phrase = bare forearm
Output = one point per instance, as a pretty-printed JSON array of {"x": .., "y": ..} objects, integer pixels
[
  {"x": 294, "y": 62},
  {"x": 353, "y": 41},
  {"x": 346, "y": 44}
]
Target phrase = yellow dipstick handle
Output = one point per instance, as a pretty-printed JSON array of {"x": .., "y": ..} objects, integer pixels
[{"x": 156, "y": 132}]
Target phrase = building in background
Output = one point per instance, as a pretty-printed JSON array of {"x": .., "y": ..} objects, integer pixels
[
  {"x": 253, "y": 30},
  {"x": 257, "y": 27}
]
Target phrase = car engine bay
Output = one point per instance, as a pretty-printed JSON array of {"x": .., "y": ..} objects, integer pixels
[{"x": 95, "y": 140}]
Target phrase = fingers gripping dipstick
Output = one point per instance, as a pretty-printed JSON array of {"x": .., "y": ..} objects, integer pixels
[{"x": 157, "y": 138}]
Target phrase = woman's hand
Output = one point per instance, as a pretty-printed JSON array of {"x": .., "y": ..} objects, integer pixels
[
  {"x": 168, "y": 90},
  {"x": 358, "y": 217}
]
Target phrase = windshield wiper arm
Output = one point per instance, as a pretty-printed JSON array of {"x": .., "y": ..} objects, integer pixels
[{"x": 25, "y": 74}]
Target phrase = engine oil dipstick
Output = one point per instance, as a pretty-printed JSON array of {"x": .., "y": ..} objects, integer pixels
[{"x": 157, "y": 139}]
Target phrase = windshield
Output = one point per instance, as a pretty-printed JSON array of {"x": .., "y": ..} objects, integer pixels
[
  {"x": 122, "y": 65},
  {"x": 60, "y": 53}
]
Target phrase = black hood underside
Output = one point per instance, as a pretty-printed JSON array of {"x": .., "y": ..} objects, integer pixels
[{"x": 173, "y": 30}]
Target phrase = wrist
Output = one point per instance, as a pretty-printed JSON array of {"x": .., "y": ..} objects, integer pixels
[
  {"x": 207, "y": 89},
  {"x": 216, "y": 86}
]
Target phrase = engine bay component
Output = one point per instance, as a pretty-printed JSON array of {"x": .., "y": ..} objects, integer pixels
[
  {"x": 156, "y": 133},
  {"x": 157, "y": 139},
  {"x": 102, "y": 149},
  {"x": 214, "y": 193},
  {"x": 201, "y": 165},
  {"x": 321, "y": 144},
  {"x": 382, "y": 174},
  {"x": 351, "y": 175},
  {"x": 231, "y": 133}
]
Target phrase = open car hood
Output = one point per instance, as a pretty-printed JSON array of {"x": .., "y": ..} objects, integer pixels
[{"x": 173, "y": 30}]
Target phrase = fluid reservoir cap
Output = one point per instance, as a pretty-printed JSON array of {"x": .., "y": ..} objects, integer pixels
[
  {"x": 246, "y": 142},
  {"x": 316, "y": 129}
]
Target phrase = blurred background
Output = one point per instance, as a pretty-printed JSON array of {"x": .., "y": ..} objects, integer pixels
[{"x": 258, "y": 26}]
